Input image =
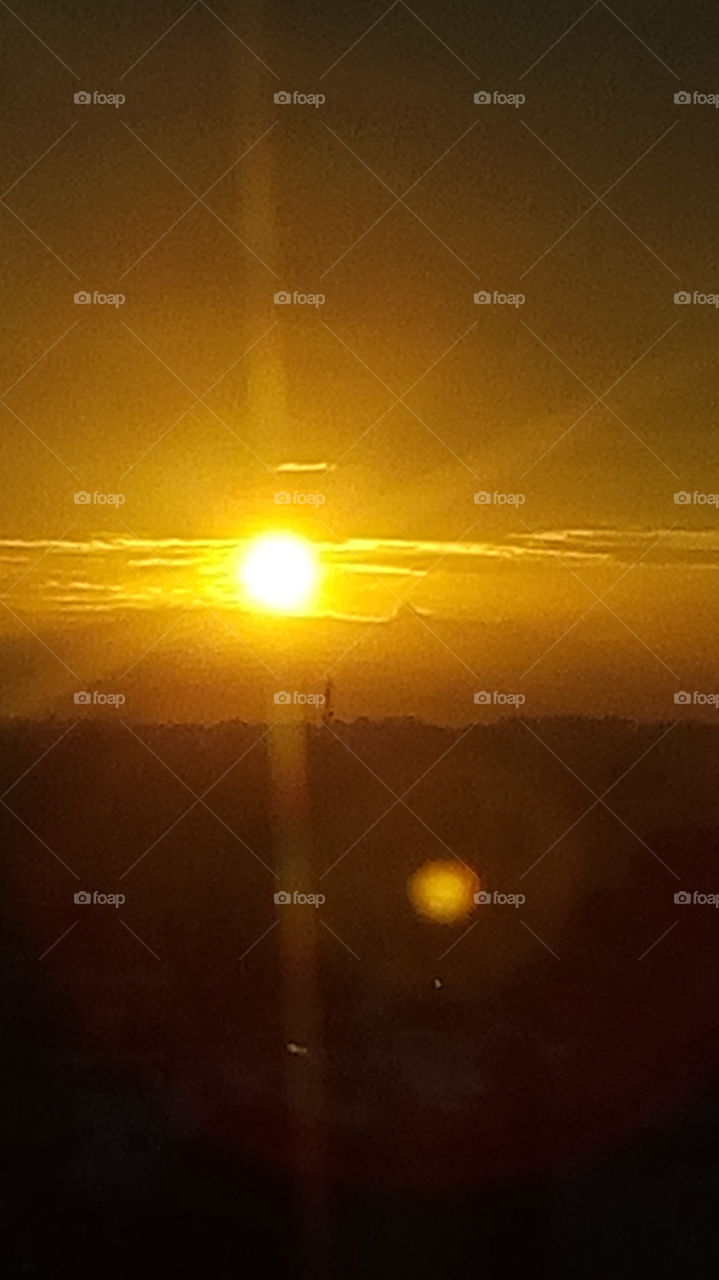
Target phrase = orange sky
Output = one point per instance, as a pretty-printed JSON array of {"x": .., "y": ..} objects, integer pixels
[{"x": 396, "y": 399}]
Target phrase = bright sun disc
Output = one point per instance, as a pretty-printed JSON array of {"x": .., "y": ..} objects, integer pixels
[{"x": 280, "y": 571}]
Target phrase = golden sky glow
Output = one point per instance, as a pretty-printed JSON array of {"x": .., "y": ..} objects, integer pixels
[
  {"x": 404, "y": 626},
  {"x": 199, "y": 416}
]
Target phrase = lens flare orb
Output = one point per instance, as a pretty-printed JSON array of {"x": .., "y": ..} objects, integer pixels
[{"x": 443, "y": 891}]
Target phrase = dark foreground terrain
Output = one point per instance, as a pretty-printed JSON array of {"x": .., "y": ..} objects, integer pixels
[{"x": 201, "y": 1080}]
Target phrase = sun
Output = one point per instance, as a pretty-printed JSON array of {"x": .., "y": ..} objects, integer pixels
[{"x": 280, "y": 571}]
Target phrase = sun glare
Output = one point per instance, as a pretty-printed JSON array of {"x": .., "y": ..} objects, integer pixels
[{"x": 280, "y": 571}]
